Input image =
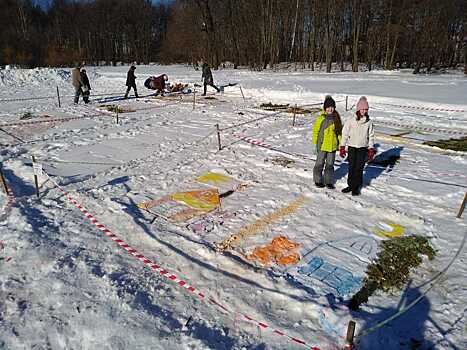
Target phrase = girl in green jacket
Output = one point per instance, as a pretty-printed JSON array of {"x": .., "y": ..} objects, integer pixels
[{"x": 327, "y": 131}]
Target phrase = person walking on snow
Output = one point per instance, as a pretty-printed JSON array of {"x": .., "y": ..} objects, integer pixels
[
  {"x": 207, "y": 79},
  {"x": 76, "y": 82},
  {"x": 86, "y": 87},
  {"x": 358, "y": 135},
  {"x": 131, "y": 81},
  {"x": 327, "y": 131}
]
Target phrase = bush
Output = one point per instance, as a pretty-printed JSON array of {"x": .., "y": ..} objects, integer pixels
[
  {"x": 453, "y": 144},
  {"x": 391, "y": 268}
]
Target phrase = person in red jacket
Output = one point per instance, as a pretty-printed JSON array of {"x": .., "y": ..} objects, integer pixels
[{"x": 157, "y": 83}]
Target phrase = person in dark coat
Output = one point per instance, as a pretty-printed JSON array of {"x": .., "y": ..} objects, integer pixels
[
  {"x": 85, "y": 87},
  {"x": 207, "y": 78},
  {"x": 131, "y": 81},
  {"x": 157, "y": 83}
]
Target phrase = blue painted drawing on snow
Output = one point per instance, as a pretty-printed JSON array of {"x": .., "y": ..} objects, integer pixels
[{"x": 343, "y": 281}]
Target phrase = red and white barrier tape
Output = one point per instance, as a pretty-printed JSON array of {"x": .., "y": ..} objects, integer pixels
[
  {"x": 2, "y": 246},
  {"x": 8, "y": 205},
  {"x": 422, "y": 128},
  {"x": 170, "y": 276},
  {"x": 253, "y": 141},
  {"x": 260, "y": 143},
  {"x": 52, "y": 120},
  {"x": 423, "y": 108},
  {"x": 6, "y": 209},
  {"x": 448, "y": 174},
  {"x": 26, "y": 99}
]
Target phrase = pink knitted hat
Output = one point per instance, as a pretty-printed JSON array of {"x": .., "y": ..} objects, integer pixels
[{"x": 362, "y": 103}]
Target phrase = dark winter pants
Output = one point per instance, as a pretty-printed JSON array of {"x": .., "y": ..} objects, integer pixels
[
  {"x": 357, "y": 158},
  {"x": 322, "y": 159},
  {"x": 129, "y": 88},
  {"x": 206, "y": 87},
  {"x": 78, "y": 92},
  {"x": 86, "y": 95}
]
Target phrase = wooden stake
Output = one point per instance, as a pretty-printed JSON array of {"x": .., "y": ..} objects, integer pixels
[
  {"x": 194, "y": 99},
  {"x": 350, "y": 336},
  {"x": 58, "y": 97},
  {"x": 241, "y": 90},
  {"x": 294, "y": 111},
  {"x": 116, "y": 111},
  {"x": 461, "y": 209},
  {"x": 36, "y": 182},
  {"x": 346, "y": 102},
  {"x": 188, "y": 322},
  {"x": 218, "y": 137},
  {"x": 2, "y": 178}
]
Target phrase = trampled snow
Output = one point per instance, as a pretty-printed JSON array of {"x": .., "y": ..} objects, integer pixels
[{"x": 65, "y": 285}]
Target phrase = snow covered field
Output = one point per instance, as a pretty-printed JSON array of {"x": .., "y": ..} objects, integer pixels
[{"x": 65, "y": 285}]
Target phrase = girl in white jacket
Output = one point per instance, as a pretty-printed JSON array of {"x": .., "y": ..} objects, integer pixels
[{"x": 358, "y": 135}]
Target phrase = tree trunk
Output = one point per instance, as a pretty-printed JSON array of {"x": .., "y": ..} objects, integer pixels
[
  {"x": 465, "y": 55},
  {"x": 388, "y": 37},
  {"x": 328, "y": 43},
  {"x": 294, "y": 30},
  {"x": 391, "y": 61},
  {"x": 356, "y": 20},
  {"x": 234, "y": 36}
]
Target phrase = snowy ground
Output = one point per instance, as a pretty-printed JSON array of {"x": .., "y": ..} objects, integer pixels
[{"x": 64, "y": 285}]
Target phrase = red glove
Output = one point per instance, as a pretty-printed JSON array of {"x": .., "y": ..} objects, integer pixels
[
  {"x": 342, "y": 151},
  {"x": 371, "y": 154}
]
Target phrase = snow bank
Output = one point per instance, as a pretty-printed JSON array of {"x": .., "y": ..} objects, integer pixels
[{"x": 34, "y": 77}]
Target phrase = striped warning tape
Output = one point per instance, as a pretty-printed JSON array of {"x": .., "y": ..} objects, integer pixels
[
  {"x": 422, "y": 128},
  {"x": 257, "y": 142},
  {"x": 423, "y": 108},
  {"x": 9, "y": 194},
  {"x": 7, "y": 258},
  {"x": 43, "y": 121},
  {"x": 170, "y": 276},
  {"x": 27, "y": 98},
  {"x": 253, "y": 141},
  {"x": 54, "y": 120},
  {"x": 448, "y": 174},
  {"x": 9, "y": 204}
]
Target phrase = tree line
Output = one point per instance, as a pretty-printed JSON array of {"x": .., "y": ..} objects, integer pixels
[
  {"x": 69, "y": 32},
  {"x": 420, "y": 34}
]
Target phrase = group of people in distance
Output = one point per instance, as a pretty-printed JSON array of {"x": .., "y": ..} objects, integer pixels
[
  {"x": 159, "y": 83},
  {"x": 355, "y": 138}
]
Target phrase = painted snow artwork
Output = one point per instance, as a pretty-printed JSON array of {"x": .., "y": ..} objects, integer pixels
[
  {"x": 182, "y": 206},
  {"x": 222, "y": 182},
  {"x": 195, "y": 223}
]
